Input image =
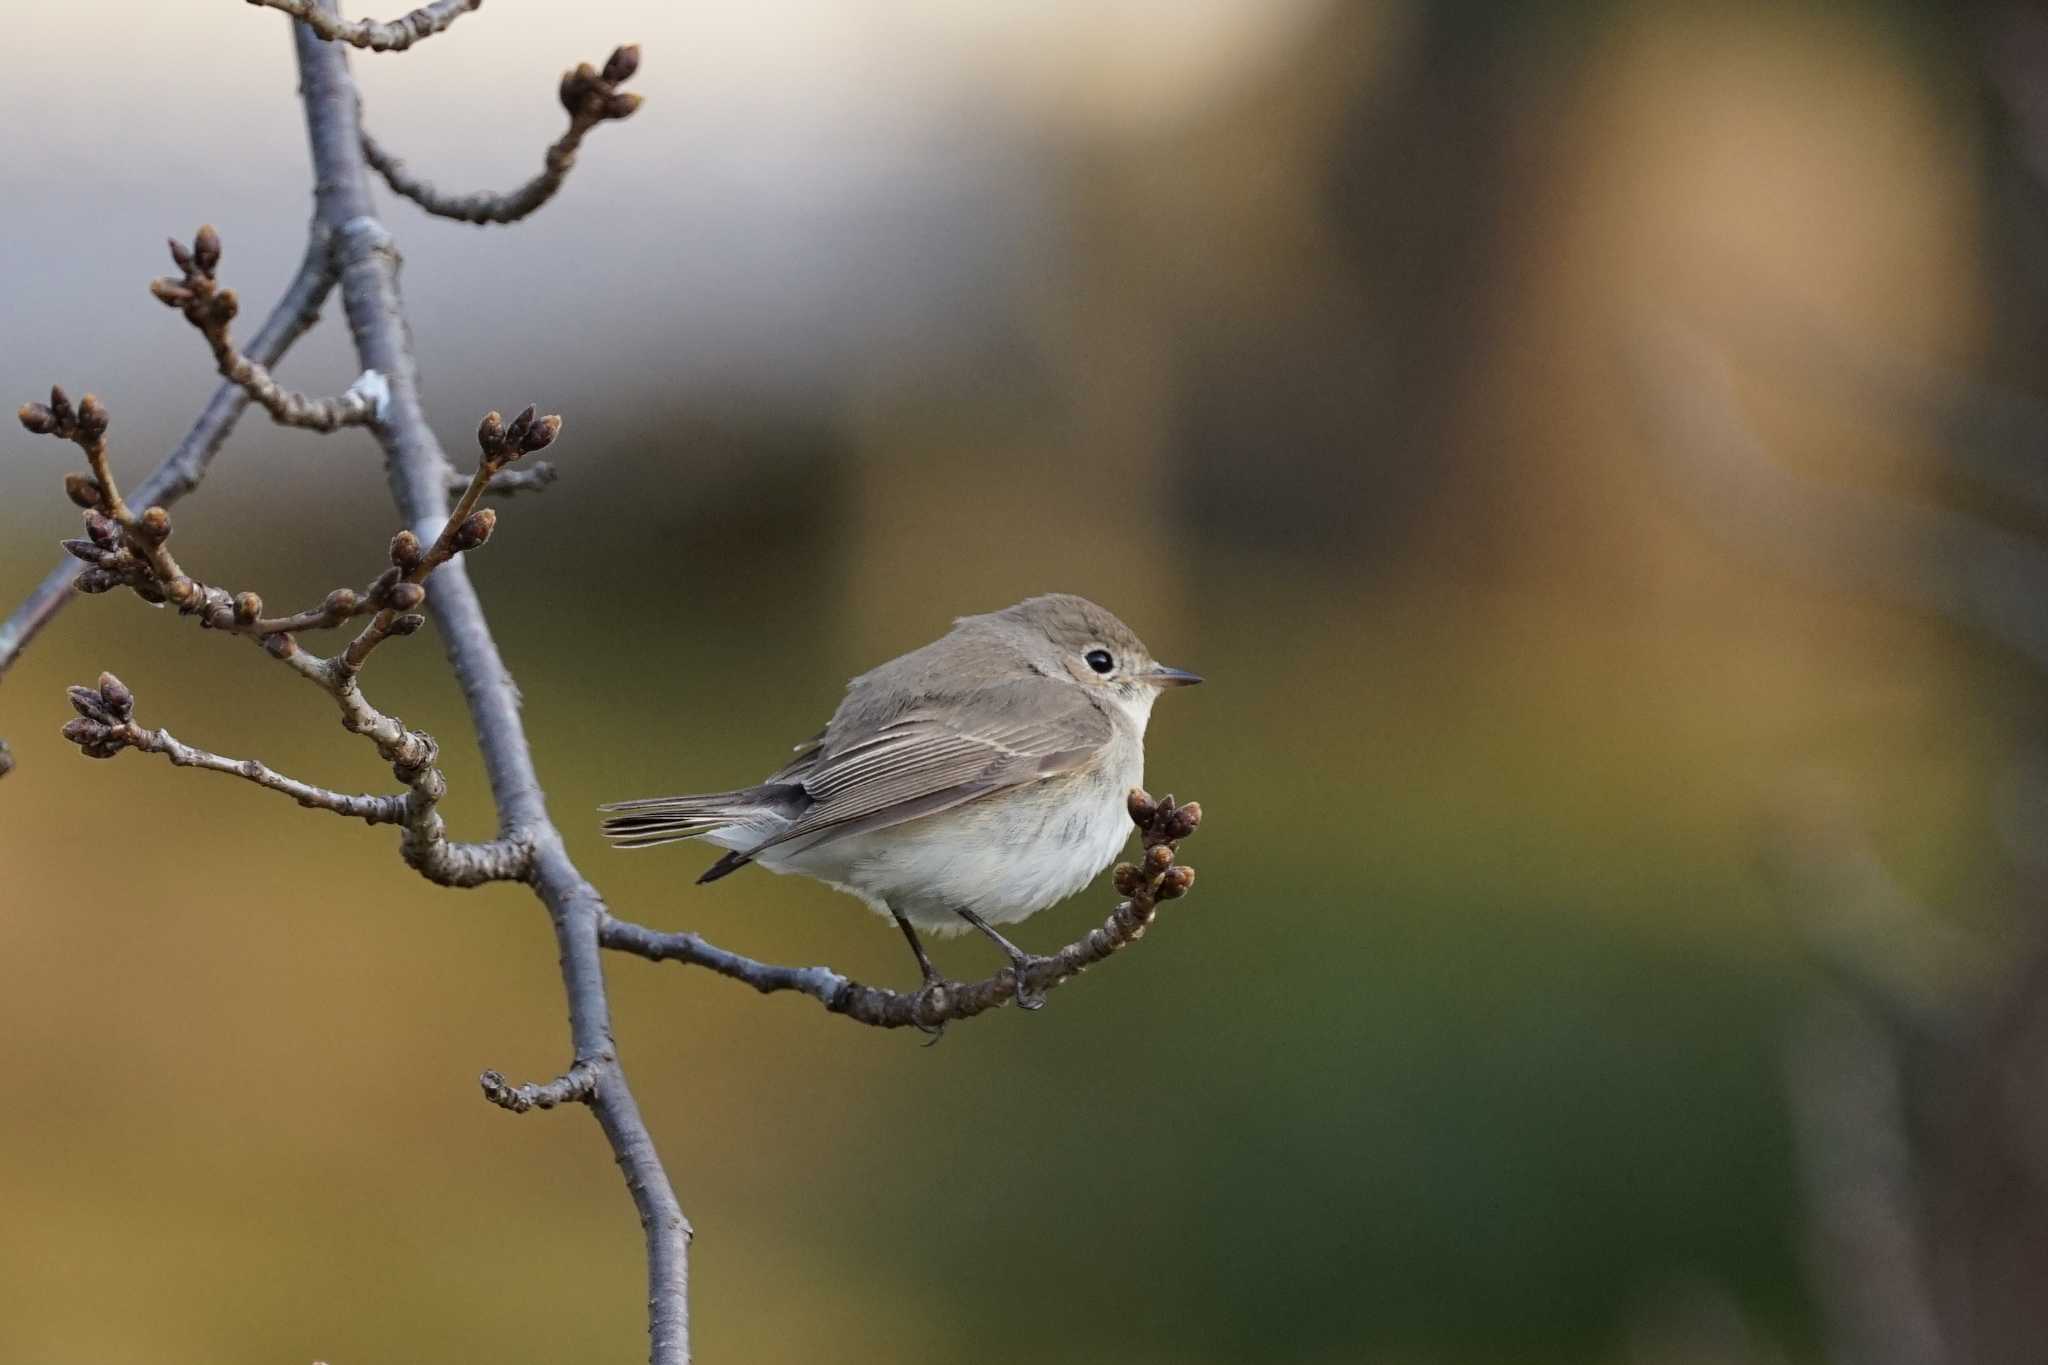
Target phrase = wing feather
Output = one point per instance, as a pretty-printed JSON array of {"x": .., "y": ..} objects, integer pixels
[{"x": 936, "y": 757}]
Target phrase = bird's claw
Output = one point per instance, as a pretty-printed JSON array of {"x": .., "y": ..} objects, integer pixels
[
  {"x": 1027, "y": 997},
  {"x": 929, "y": 1000}
]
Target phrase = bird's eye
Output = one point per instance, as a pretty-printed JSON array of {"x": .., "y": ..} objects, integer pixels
[{"x": 1099, "y": 660}]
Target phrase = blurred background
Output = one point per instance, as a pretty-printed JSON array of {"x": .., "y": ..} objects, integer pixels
[{"x": 1587, "y": 447}]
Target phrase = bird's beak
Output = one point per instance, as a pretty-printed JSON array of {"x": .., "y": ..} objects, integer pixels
[{"x": 1162, "y": 676}]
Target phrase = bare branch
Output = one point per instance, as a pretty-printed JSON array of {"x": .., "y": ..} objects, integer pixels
[
  {"x": 417, "y": 471},
  {"x": 186, "y": 465},
  {"x": 374, "y": 35},
  {"x": 507, "y": 482},
  {"x": 591, "y": 97},
  {"x": 577, "y": 1085},
  {"x": 1157, "y": 878},
  {"x": 198, "y": 295},
  {"x": 103, "y": 731}
]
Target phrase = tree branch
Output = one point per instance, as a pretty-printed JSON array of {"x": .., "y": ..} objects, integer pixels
[
  {"x": 208, "y": 307},
  {"x": 416, "y": 469},
  {"x": 186, "y": 465},
  {"x": 123, "y": 548},
  {"x": 591, "y": 97},
  {"x": 577, "y": 1085},
  {"x": 390, "y": 35},
  {"x": 1157, "y": 878},
  {"x": 103, "y": 728}
]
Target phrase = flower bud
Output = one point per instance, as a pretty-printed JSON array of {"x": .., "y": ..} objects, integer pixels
[
  {"x": 623, "y": 62},
  {"x": 180, "y": 257},
  {"x": 84, "y": 550},
  {"x": 1176, "y": 883},
  {"x": 576, "y": 86},
  {"x": 516, "y": 430},
  {"x": 1184, "y": 821},
  {"x": 206, "y": 249},
  {"x": 116, "y": 695},
  {"x": 154, "y": 524},
  {"x": 1141, "y": 807},
  {"x": 621, "y": 105},
  {"x": 408, "y": 624},
  {"x": 1128, "y": 879},
  {"x": 103, "y": 531},
  {"x": 542, "y": 435},
  {"x": 83, "y": 731},
  {"x": 340, "y": 603},
  {"x": 93, "y": 417},
  {"x": 405, "y": 547},
  {"x": 248, "y": 606},
  {"x": 1158, "y": 858},
  {"x": 88, "y": 703},
  {"x": 476, "y": 529},
  {"x": 37, "y": 418},
  {"x": 60, "y": 405},
  {"x": 405, "y": 596},
  {"x": 84, "y": 490},
  {"x": 170, "y": 293},
  {"x": 95, "y": 581},
  {"x": 490, "y": 435}
]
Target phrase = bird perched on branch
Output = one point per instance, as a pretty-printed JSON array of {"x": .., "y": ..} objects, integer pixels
[{"x": 970, "y": 783}]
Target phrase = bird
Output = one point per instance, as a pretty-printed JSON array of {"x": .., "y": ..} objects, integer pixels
[{"x": 966, "y": 784}]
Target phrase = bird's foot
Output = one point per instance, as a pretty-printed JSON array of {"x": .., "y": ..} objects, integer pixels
[
  {"x": 1021, "y": 966},
  {"x": 927, "y": 1007}
]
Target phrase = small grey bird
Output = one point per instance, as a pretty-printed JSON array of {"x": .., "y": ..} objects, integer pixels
[{"x": 972, "y": 782}]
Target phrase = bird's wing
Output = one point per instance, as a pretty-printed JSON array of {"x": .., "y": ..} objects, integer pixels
[{"x": 935, "y": 757}]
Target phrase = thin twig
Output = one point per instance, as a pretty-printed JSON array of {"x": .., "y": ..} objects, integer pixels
[
  {"x": 591, "y": 96},
  {"x": 1157, "y": 878},
  {"x": 182, "y": 470},
  {"x": 578, "y": 1085},
  {"x": 389, "y": 35},
  {"x": 507, "y": 482},
  {"x": 197, "y": 294}
]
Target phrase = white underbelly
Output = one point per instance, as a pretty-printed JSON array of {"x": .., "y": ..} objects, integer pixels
[{"x": 1004, "y": 857}]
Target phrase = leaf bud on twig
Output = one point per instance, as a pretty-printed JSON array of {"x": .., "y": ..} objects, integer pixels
[
  {"x": 405, "y": 596},
  {"x": 154, "y": 524},
  {"x": 248, "y": 606}
]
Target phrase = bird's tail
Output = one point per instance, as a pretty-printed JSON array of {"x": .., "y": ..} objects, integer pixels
[{"x": 754, "y": 811}]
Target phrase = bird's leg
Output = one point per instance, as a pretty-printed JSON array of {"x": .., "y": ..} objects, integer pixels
[
  {"x": 1021, "y": 962},
  {"x": 932, "y": 980}
]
